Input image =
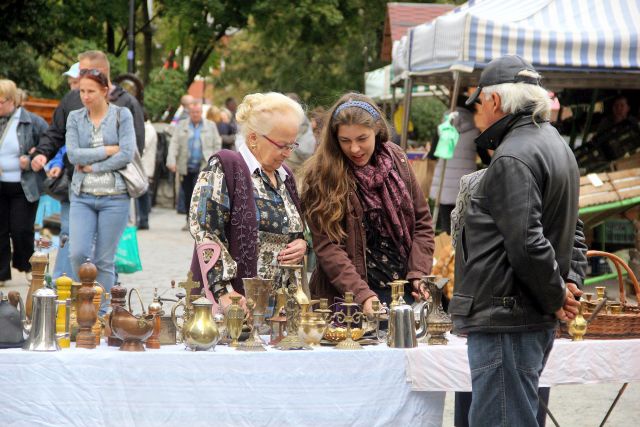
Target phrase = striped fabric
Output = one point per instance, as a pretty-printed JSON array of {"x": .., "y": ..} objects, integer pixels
[{"x": 551, "y": 34}]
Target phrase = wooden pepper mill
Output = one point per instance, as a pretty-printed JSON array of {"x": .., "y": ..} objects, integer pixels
[
  {"x": 39, "y": 261},
  {"x": 155, "y": 308},
  {"x": 119, "y": 299},
  {"x": 86, "y": 311}
]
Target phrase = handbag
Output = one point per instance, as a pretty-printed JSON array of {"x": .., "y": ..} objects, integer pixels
[
  {"x": 58, "y": 187},
  {"x": 133, "y": 174}
]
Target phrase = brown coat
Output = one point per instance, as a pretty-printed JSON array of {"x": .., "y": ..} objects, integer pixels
[{"x": 342, "y": 266}]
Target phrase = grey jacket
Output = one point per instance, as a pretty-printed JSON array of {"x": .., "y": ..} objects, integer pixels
[
  {"x": 178, "y": 154},
  {"x": 463, "y": 162},
  {"x": 522, "y": 239},
  {"x": 115, "y": 131},
  {"x": 30, "y": 128}
]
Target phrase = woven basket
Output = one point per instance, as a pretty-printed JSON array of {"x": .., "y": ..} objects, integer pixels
[{"x": 614, "y": 326}]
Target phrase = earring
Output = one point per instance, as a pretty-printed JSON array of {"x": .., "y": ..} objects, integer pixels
[{"x": 254, "y": 146}]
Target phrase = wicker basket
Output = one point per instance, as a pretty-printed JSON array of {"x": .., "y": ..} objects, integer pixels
[{"x": 614, "y": 326}]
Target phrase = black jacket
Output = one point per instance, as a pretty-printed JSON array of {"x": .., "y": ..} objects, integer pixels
[
  {"x": 522, "y": 238},
  {"x": 54, "y": 138}
]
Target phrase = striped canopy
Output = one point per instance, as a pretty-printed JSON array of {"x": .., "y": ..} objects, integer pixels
[{"x": 556, "y": 35}]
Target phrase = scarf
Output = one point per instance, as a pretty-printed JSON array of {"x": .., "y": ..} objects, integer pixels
[{"x": 385, "y": 199}]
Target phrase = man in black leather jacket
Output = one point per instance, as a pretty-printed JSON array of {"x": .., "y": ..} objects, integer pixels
[{"x": 523, "y": 252}]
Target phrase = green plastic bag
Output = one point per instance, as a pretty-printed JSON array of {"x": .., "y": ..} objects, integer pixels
[
  {"x": 127, "y": 255},
  {"x": 448, "y": 138}
]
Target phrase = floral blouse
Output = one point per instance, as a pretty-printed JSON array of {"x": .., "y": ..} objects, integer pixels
[{"x": 278, "y": 220}]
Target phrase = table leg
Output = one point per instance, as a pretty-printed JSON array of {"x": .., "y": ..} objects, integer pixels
[{"x": 613, "y": 405}]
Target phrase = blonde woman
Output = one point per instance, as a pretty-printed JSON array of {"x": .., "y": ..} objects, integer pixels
[
  {"x": 246, "y": 201},
  {"x": 367, "y": 214}
]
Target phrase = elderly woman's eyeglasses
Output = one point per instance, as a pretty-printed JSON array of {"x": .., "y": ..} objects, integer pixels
[{"x": 282, "y": 147}]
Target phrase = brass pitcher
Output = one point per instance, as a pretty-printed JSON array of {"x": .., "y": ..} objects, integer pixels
[
  {"x": 438, "y": 321},
  {"x": 200, "y": 332}
]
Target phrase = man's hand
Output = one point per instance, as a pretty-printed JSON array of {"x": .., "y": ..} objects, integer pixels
[
  {"x": 24, "y": 162},
  {"x": 54, "y": 172},
  {"x": 172, "y": 168},
  {"x": 38, "y": 162},
  {"x": 570, "y": 308},
  {"x": 293, "y": 253},
  {"x": 111, "y": 149},
  {"x": 419, "y": 291}
]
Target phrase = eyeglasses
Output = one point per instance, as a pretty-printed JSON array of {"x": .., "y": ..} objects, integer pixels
[
  {"x": 285, "y": 147},
  {"x": 4, "y": 101}
]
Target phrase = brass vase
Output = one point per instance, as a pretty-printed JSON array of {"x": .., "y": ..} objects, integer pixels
[
  {"x": 578, "y": 326},
  {"x": 257, "y": 292},
  {"x": 438, "y": 321},
  {"x": 234, "y": 318}
]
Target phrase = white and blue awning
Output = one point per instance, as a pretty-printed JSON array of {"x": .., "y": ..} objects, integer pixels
[
  {"x": 555, "y": 35},
  {"x": 377, "y": 85}
]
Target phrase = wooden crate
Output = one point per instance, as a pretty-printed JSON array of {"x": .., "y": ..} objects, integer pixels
[
  {"x": 42, "y": 107},
  {"x": 616, "y": 186}
]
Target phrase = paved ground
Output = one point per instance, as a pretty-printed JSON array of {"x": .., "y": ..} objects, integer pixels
[{"x": 166, "y": 253}]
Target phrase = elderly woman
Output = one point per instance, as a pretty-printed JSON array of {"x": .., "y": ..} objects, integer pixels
[
  {"x": 246, "y": 201},
  {"x": 367, "y": 214},
  {"x": 20, "y": 131},
  {"x": 100, "y": 141}
]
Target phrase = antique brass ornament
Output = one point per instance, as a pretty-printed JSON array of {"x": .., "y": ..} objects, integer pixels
[
  {"x": 131, "y": 329},
  {"x": 257, "y": 292},
  {"x": 293, "y": 309},
  {"x": 352, "y": 315},
  {"x": 235, "y": 318},
  {"x": 200, "y": 332},
  {"x": 600, "y": 292},
  {"x": 438, "y": 321},
  {"x": 312, "y": 328},
  {"x": 379, "y": 310},
  {"x": 189, "y": 285},
  {"x": 578, "y": 326}
]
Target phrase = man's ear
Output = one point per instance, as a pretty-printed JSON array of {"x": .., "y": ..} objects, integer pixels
[{"x": 497, "y": 102}]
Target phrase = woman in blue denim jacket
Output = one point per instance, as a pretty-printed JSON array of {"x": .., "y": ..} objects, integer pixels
[{"x": 100, "y": 141}]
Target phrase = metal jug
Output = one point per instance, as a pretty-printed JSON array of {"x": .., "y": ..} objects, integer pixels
[
  {"x": 402, "y": 331},
  {"x": 11, "y": 320},
  {"x": 42, "y": 329}
]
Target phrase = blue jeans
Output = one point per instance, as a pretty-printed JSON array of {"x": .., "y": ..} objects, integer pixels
[
  {"x": 505, "y": 370},
  {"x": 63, "y": 262},
  {"x": 96, "y": 225}
]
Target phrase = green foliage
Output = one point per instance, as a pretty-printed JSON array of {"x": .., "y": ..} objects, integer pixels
[
  {"x": 426, "y": 115},
  {"x": 163, "y": 92}
]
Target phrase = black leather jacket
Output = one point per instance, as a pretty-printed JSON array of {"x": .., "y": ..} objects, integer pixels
[{"x": 522, "y": 238}]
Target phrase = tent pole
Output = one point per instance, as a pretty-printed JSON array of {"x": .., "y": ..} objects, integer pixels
[
  {"x": 408, "y": 88},
  {"x": 587, "y": 126},
  {"x": 452, "y": 107}
]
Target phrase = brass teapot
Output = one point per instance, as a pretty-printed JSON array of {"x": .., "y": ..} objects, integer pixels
[{"x": 200, "y": 332}]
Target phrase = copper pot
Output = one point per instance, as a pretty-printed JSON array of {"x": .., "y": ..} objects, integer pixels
[{"x": 131, "y": 329}]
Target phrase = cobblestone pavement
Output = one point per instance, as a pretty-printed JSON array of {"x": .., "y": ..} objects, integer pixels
[{"x": 166, "y": 251}]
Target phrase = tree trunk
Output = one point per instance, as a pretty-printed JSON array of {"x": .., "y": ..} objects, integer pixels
[
  {"x": 147, "y": 34},
  {"x": 111, "y": 39}
]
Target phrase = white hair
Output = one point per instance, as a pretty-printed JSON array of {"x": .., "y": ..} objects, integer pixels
[
  {"x": 517, "y": 97},
  {"x": 256, "y": 111}
]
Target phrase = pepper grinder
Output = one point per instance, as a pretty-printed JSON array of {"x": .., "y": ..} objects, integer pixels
[
  {"x": 118, "y": 298},
  {"x": 39, "y": 261},
  {"x": 86, "y": 311}
]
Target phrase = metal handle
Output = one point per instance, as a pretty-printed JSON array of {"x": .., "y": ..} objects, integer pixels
[
  {"x": 139, "y": 299},
  {"x": 173, "y": 314}
]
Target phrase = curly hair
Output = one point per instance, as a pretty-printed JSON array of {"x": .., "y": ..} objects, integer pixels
[{"x": 326, "y": 178}]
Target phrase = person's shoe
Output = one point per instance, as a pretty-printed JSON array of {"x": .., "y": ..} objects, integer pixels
[
  {"x": 28, "y": 276},
  {"x": 185, "y": 228},
  {"x": 143, "y": 227}
]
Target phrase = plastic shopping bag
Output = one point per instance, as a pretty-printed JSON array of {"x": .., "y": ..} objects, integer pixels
[
  {"x": 127, "y": 255},
  {"x": 448, "y": 138}
]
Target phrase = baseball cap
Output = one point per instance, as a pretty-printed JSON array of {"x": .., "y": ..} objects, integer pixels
[
  {"x": 73, "y": 71},
  {"x": 506, "y": 69}
]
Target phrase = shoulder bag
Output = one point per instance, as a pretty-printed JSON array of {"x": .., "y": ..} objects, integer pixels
[{"x": 133, "y": 174}]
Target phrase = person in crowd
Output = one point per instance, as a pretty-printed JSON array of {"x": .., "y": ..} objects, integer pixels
[
  {"x": 54, "y": 169},
  {"x": 231, "y": 107},
  {"x": 462, "y": 163},
  {"x": 73, "y": 74},
  {"x": 367, "y": 214},
  {"x": 20, "y": 186},
  {"x": 305, "y": 139},
  {"x": 246, "y": 201},
  {"x": 522, "y": 255},
  {"x": 619, "y": 113},
  {"x": 185, "y": 102},
  {"x": 101, "y": 139},
  {"x": 143, "y": 203},
  {"x": 192, "y": 144},
  {"x": 317, "y": 120},
  {"x": 223, "y": 123}
]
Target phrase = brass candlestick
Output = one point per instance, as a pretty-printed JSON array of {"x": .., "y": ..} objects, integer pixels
[
  {"x": 86, "y": 311},
  {"x": 293, "y": 310},
  {"x": 351, "y": 316},
  {"x": 39, "y": 261},
  {"x": 397, "y": 290},
  {"x": 324, "y": 309},
  {"x": 118, "y": 299},
  {"x": 378, "y": 311},
  {"x": 600, "y": 292}
]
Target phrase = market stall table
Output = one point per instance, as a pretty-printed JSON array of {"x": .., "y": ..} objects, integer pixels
[{"x": 172, "y": 386}]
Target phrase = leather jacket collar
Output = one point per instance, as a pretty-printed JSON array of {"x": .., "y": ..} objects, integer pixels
[{"x": 491, "y": 138}]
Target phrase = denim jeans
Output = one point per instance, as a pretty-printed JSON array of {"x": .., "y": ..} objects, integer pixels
[
  {"x": 505, "y": 370},
  {"x": 63, "y": 261},
  {"x": 96, "y": 225}
]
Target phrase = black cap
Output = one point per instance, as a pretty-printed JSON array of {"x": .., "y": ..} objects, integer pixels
[{"x": 505, "y": 69}]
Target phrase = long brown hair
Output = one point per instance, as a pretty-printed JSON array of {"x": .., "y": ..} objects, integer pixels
[{"x": 326, "y": 179}]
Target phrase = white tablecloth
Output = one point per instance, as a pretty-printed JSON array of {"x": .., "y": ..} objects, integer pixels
[
  {"x": 171, "y": 386},
  {"x": 446, "y": 368}
]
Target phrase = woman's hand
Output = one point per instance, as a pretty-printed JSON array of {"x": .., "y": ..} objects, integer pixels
[
  {"x": 293, "y": 253},
  {"x": 367, "y": 306},
  {"x": 54, "y": 172},
  {"x": 24, "y": 161},
  {"x": 225, "y": 301},
  {"x": 111, "y": 149},
  {"x": 85, "y": 169},
  {"x": 419, "y": 291}
]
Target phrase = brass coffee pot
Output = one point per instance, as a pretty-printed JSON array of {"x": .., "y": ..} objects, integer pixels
[{"x": 200, "y": 332}]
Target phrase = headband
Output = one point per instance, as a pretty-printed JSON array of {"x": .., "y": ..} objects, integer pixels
[{"x": 360, "y": 104}]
